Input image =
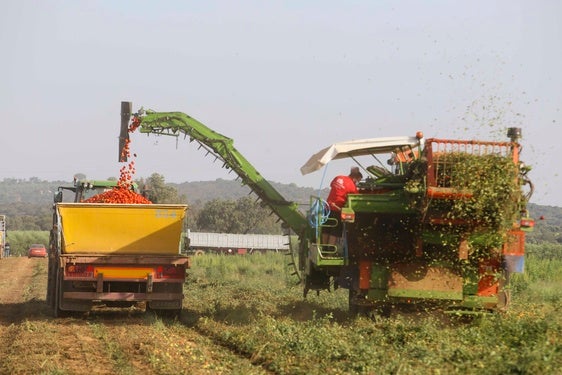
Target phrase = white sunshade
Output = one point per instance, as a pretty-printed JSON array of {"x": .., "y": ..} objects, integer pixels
[{"x": 359, "y": 147}]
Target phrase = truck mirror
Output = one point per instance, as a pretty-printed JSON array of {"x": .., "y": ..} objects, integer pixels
[{"x": 58, "y": 197}]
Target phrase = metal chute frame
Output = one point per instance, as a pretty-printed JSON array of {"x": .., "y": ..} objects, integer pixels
[{"x": 222, "y": 148}]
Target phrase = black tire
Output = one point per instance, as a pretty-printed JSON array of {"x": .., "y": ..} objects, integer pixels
[
  {"x": 372, "y": 311},
  {"x": 353, "y": 307},
  {"x": 164, "y": 313},
  {"x": 504, "y": 294},
  {"x": 57, "y": 312}
]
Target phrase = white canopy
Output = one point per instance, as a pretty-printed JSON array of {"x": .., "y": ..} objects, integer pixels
[{"x": 359, "y": 147}]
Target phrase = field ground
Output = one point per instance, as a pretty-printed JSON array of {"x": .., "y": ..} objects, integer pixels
[
  {"x": 109, "y": 342},
  {"x": 244, "y": 315}
]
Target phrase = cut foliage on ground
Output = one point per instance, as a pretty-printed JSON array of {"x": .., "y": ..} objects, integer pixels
[{"x": 245, "y": 315}]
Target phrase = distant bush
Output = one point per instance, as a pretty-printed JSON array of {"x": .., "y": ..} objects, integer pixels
[{"x": 544, "y": 251}]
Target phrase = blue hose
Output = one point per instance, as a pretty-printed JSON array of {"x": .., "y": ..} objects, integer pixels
[
  {"x": 320, "y": 209},
  {"x": 319, "y": 213}
]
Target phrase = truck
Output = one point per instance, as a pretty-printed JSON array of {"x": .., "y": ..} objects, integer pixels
[
  {"x": 199, "y": 243},
  {"x": 115, "y": 255},
  {"x": 436, "y": 221}
]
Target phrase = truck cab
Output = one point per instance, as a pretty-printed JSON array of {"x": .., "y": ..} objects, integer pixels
[{"x": 84, "y": 189}]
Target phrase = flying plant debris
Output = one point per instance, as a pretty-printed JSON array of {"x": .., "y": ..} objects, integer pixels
[
  {"x": 123, "y": 192},
  {"x": 490, "y": 178}
]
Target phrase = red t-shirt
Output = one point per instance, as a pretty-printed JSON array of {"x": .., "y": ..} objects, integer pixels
[{"x": 340, "y": 187}]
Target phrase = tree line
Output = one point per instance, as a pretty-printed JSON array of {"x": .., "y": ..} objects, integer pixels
[
  {"x": 214, "y": 206},
  {"x": 244, "y": 214}
]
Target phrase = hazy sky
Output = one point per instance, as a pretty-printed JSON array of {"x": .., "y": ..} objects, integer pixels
[{"x": 282, "y": 78}]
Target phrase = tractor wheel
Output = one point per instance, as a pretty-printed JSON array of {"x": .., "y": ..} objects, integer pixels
[
  {"x": 57, "y": 292},
  {"x": 375, "y": 312},
  {"x": 504, "y": 293}
]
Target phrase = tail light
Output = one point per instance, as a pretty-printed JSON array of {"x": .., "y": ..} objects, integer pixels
[
  {"x": 79, "y": 270},
  {"x": 170, "y": 272}
]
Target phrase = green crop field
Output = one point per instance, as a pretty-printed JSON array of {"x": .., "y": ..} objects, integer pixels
[
  {"x": 244, "y": 314},
  {"x": 250, "y": 304}
]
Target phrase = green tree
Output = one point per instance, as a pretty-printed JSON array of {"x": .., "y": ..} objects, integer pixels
[
  {"x": 27, "y": 216},
  {"x": 217, "y": 216},
  {"x": 156, "y": 190},
  {"x": 241, "y": 216}
]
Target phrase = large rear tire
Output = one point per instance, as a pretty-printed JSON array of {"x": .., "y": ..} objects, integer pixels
[
  {"x": 374, "y": 312},
  {"x": 57, "y": 295},
  {"x": 164, "y": 313},
  {"x": 504, "y": 293}
]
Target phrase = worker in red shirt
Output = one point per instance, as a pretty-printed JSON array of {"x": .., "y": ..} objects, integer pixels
[{"x": 340, "y": 186}]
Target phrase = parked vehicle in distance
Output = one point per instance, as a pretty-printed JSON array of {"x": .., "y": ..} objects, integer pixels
[
  {"x": 37, "y": 251},
  {"x": 199, "y": 243}
]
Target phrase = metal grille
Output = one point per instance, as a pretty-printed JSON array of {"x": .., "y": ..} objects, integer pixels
[{"x": 443, "y": 155}]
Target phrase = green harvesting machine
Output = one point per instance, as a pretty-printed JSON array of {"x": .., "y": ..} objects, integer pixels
[{"x": 436, "y": 221}]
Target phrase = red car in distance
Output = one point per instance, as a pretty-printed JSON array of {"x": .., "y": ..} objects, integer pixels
[{"x": 37, "y": 251}]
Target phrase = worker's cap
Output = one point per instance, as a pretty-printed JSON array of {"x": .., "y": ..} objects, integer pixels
[{"x": 355, "y": 173}]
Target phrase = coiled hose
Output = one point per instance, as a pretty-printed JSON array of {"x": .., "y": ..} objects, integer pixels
[{"x": 319, "y": 213}]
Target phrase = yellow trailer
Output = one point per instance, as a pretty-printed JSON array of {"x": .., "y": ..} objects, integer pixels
[{"x": 116, "y": 255}]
